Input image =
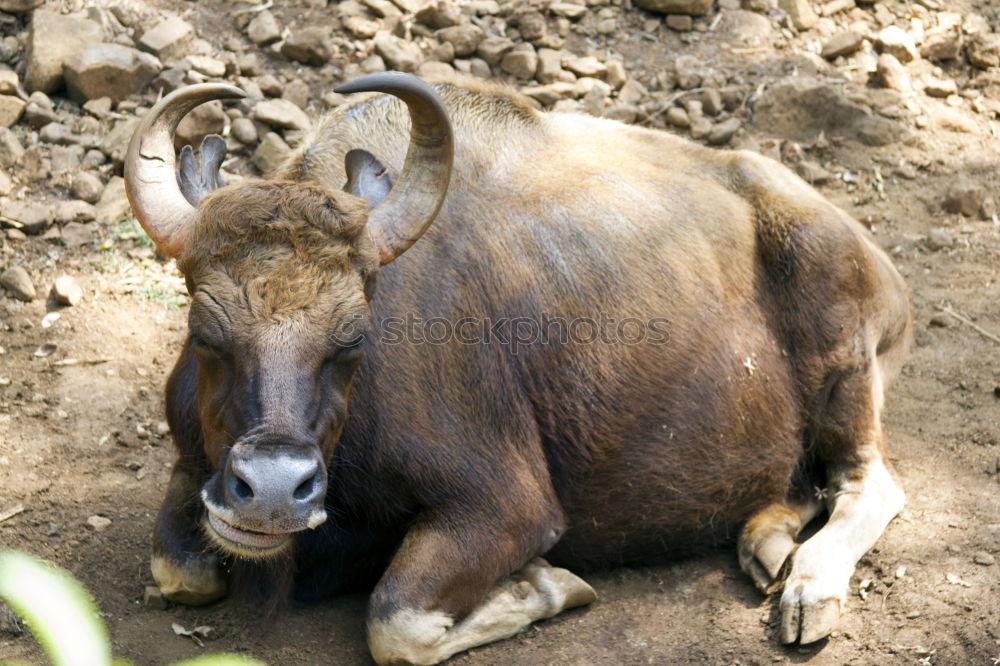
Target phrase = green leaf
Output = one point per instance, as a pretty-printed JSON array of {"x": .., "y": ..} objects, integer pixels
[
  {"x": 57, "y": 608},
  {"x": 220, "y": 660}
]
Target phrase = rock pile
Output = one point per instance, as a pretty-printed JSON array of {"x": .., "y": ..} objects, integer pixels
[{"x": 73, "y": 85}]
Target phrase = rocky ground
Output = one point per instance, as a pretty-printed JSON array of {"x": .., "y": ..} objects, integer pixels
[{"x": 888, "y": 107}]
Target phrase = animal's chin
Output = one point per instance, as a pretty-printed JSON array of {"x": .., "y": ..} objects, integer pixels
[{"x": 247, "y": 543}]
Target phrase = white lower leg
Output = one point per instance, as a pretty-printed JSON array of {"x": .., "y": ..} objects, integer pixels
[
  {"x": 862, "y": 503},
  {"x": 536, "y": 592}
]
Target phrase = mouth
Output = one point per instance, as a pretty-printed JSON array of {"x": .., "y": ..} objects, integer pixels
[{"x": 246, "y": 542}]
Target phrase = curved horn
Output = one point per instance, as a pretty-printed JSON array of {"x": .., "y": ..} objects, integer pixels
[
  {"x": 150, "y": 178},
  {"x": 416, "y": 197}
]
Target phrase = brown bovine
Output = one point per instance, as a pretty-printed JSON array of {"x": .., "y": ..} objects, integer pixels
[{"x": 741, "y": 398}]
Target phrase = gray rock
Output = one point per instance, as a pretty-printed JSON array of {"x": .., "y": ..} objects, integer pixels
[
  {"x": 813, "y": 172},
  {"x": 891, "y": 74},
  {"x": 700, "y": 128},
  {"x": 567, "y": 10},
  {"x": 73, "y": 234},
  {"x": 86, "y": 186},
  {"x": 115, "y": 144},
  {"x": 113, "y": 205},
  {"x": 800, "y": 12},
  {"x": 34, "y": 217},
  {"x": 687, "y": 72},
  {"x": 479, "y": 67},
  {"x": 203, "y": 120},
  {"x": 594, "y": 99},
  {"x": 19, "y": 6},
  {"x": 439, "y": 15},
  {"x": 66, "y": 158},
  {"x": 8, "y": 82},
  {"x": 896, "y": 41},
  {"x": 74, "y": 211},
  {"x": 678, "y": 117},
  {"x": 297, "y": 92},
  {"x": 17, "y": 281},
  {"x": 983, "y": 558},
  {"x": 965, "y": 197},
  {"x": 615, "y": 75},
  {"x": 842, "y": 43},
  {"x": 6, "y": 184},
  {"x": 99, "y": 107},
  {"x": 11, "y": 109},
  {"x": 92, "y": 159},
  {"x": 493, "y": 48},
  {"x": 745, "y": 28},
  {"x": 623, "y": 113},
  {"x": 52, "y": 39},
  {"x": 680, "y": 22},
  {"x": 281, "y": 113},
  {"x": 361, "y": 27},
  {"x": 942, "y": 44},
  {"x": 532, "y": 26},
  {"x": 39, "y": 116},
  {"x": 433, "y": 70},
  {"x": 464, "y": 38},
  {"x": 940, "y": 87},
  {"x": 398, "y": 53},
  {"x": 66, "y": 291},
  {"x": 245, "y": 131},
  {"x": 248, "y": 64},
  {"x": 722, "y": 132},
  {"x": 521, "y": 61},
  {"x": 690, "y": 7},
  {"x": 374, "y": 63},
  {"x": 11, "y": 149},
  {"x": 207, "y": 65},
  {"x": 36, "y": 165},
  {"x": 584, "y": 65},
  {"x": 169, "y": 80},
  {"x": 264, "y": 29},
  {"x": 549, "y": 65},
  {"x": 711, "y": 101},
  {"x": 939, "y": 239},
  {"x": 271, "y": 152},
  {"x": 632, "y": 92},
  {"x": 168, "y": 39},
  {"x": 310, "y": 46},
  {"x": 270, "y": 86},
  {"x": 984, "y": 51},
  {"x": 109, "y": 70}
]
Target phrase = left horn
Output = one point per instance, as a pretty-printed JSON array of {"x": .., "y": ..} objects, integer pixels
[
  {"x": 416, "y": 197},
  {"x": 150, "y": 176}
]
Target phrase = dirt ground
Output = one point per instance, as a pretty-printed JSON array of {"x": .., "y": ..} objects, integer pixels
[{"x": 82, "y": 440}]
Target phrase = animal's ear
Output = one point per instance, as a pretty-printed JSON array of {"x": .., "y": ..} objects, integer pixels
[
  {"x": 367, "y": 178},
  {"x": 197, "y": 176}
]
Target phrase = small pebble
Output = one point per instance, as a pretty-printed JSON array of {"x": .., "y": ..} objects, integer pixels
[{"x": 99, "y": 523}]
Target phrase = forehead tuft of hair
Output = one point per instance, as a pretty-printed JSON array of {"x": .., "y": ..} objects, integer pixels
[{"x": 283, "y": 242}]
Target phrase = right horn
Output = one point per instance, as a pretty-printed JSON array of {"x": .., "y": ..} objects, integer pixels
[
  {"x": 150, "y": 176},
  {"x": 416, "y": 197}
]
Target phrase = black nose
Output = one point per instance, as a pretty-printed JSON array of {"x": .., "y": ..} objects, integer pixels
[{"x": 275, "y": 488}]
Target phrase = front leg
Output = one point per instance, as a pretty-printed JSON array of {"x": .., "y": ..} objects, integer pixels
[
  {"x": 467, "y": 580},
  {"x": 183, "y": 565}
]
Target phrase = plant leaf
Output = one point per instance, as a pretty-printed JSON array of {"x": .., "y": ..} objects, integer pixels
[{"x": 57, "y": 608}]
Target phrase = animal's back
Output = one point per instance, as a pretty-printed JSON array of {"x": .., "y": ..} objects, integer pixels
[{"x": 666, "y": 428}]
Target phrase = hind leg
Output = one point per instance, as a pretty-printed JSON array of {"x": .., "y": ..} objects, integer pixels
[
  {"x": 768, "y": 538},
  {"x": 862, "y": 496}
]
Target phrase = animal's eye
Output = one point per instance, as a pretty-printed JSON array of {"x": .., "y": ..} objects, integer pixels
[{"x": 202, "y": 346}]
